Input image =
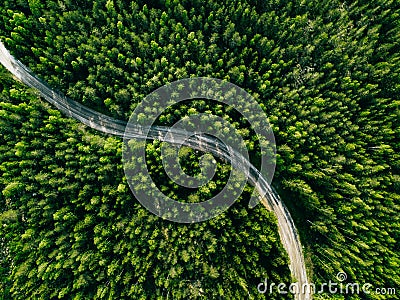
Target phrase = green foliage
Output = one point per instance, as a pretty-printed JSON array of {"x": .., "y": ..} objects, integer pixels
[
  {"x": 70, "y": 227},
  {"x": 325, "y": 72}
]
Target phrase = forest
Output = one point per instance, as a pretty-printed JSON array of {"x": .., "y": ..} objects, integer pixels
[{"x": 327, "y": 75}]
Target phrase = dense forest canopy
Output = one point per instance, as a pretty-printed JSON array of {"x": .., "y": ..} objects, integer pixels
[{"x": 326, "y": 73}]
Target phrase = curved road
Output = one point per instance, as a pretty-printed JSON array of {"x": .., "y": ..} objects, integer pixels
[{"x": 287, "y": 230}]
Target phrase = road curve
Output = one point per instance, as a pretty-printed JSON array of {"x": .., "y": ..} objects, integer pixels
[{"x": 286, "y": 228}]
